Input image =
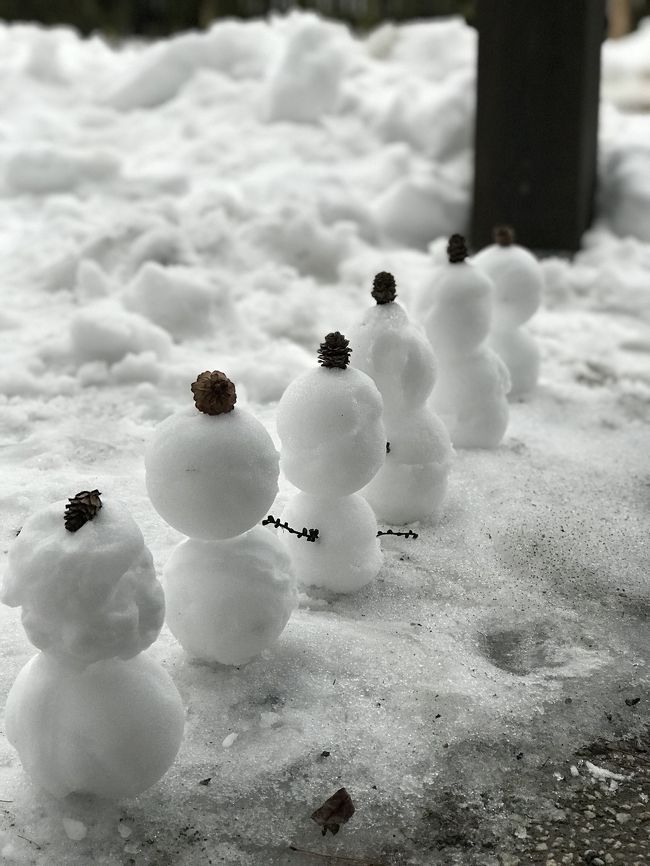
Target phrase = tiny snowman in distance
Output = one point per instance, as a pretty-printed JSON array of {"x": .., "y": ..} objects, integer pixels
[
  {"x": 519, "y": 282},
  {"x": 412, "y": 483},
  {"x": 472, "y": 384},
  {"x": 229, "y": 587},
  {"x": 90, "y": 713},
  {"x": 333, "y": 442},
  {"x": 211, "y": 472}
]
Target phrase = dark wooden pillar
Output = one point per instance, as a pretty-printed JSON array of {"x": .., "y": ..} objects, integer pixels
[{"x": 537, "y": 119}]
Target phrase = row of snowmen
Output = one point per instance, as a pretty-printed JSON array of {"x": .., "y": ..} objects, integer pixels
[{"x": 91, "y": 712}]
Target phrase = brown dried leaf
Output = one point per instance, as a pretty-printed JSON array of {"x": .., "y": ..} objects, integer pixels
[{"x": 337, "y": 810}]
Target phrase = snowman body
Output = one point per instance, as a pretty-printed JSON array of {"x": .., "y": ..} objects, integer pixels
[
  {"x": 333, "y": 439},
  {"x": 518, "y": 282},
  {"x": 90, "y": 713},
  {"x": 230, "y": 588},
  {"x": 470, "y": 394},
  {"x": 412, "y": 482}
]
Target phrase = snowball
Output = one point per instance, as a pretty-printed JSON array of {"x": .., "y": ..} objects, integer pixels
[
  {"x": 460, "y": 317},
  {"x": 45, "y": 169},
  {"x": 518, "y": 282},
  {"x": 346, "y": 555},
  {"x": 520, "y": 353},
  {"x": 419, "y": 437},
  {"x": 211, "y": 476},
  {"x": 305, "y": 84},
  {"x": 470, "y": 397},
  {"x": 112, "y": 729},
  {"x": 174, "y": 298},
  {"x": 229, "y": 600},
  {"x": 396, "y": 355},
  {"x": 330, "y": 425},
  {"x": 86, "y": 595},
  {"x": 406, "y": 492},
  {"x": 412, "y": 483},
  {"x": 104, "y": 332}
]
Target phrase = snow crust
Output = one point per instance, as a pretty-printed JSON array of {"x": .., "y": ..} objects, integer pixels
[{"x": 531, "y": 586}]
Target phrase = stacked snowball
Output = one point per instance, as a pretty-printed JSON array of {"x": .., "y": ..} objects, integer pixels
[
  {"x": 212, "y": 473},
  {"x": 518, "y": 282},
  {"x": 412, "y": 483},
  {"x": 333, "y": 442},
  {"x": 90, "y": 713},
  {"x": 470, "y": 392}
]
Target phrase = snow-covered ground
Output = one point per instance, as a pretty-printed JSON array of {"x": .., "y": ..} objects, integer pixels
[{"x": 222, "y": 201}]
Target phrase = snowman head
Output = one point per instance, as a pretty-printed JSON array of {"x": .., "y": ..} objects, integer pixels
[{"x": 462, "y": 314}]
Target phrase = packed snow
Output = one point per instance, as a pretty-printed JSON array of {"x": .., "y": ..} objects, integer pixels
[
  {"x": 518, "y": 287},
  {"x": 470, "y": 393},
  {"x": 412, "y": 483},
  {"x": 228, "y": 601},
  {"x": 211, "y": 476},
  {"x": 85, "y": 596},
  {"x": 221, "y": 201}
]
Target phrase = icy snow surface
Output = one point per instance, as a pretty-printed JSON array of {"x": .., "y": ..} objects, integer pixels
[{"x": 134, "y": 178}]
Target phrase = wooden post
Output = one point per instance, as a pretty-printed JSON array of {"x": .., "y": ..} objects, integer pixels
[{"x": 537, "y": 119}]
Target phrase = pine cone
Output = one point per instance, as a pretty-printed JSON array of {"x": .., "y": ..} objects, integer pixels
[
  {"x": 383, "y": 288},
  {"x": 214, "y": 393},
  {"x": 81, "y": 508},
  {"x": 335, "y": 351},
  {"x": 504, "y": 236},
  {"x": 456, "y": 249}
]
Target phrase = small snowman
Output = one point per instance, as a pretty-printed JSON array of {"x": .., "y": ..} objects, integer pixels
[
  {"x": 412, "y": 483},
  {"x": 90, "y": 713},
  {"x": 518, "y": 281},
  {"x": 212, "y": 473},
  {"x": 333, "y": 442},
  {"x": 472, "y": 384}
]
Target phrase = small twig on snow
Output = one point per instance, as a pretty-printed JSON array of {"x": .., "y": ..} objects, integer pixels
[
  {"x": 309, "y": 534},
  {"x": 408, "y": 534}
]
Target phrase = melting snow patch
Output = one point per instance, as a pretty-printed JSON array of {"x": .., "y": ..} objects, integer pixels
[
  {"x": 75, "y": 830},
  {"x": 602, "y": 774}
]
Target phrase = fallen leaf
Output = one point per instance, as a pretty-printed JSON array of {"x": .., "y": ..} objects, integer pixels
[{"x": 334, "y": 812}]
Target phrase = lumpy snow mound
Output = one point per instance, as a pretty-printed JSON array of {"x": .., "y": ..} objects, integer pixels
[{"x": 188, "y": 205}]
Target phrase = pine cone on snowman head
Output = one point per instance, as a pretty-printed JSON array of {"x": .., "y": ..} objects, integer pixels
[
  {"x": 214, "y": 393},
  {"x": 334, "y": 351},
  {"x": 457, "y": 249},
  {"x": 81, "y": 508},
  {"x": 383, "y": 288}
]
